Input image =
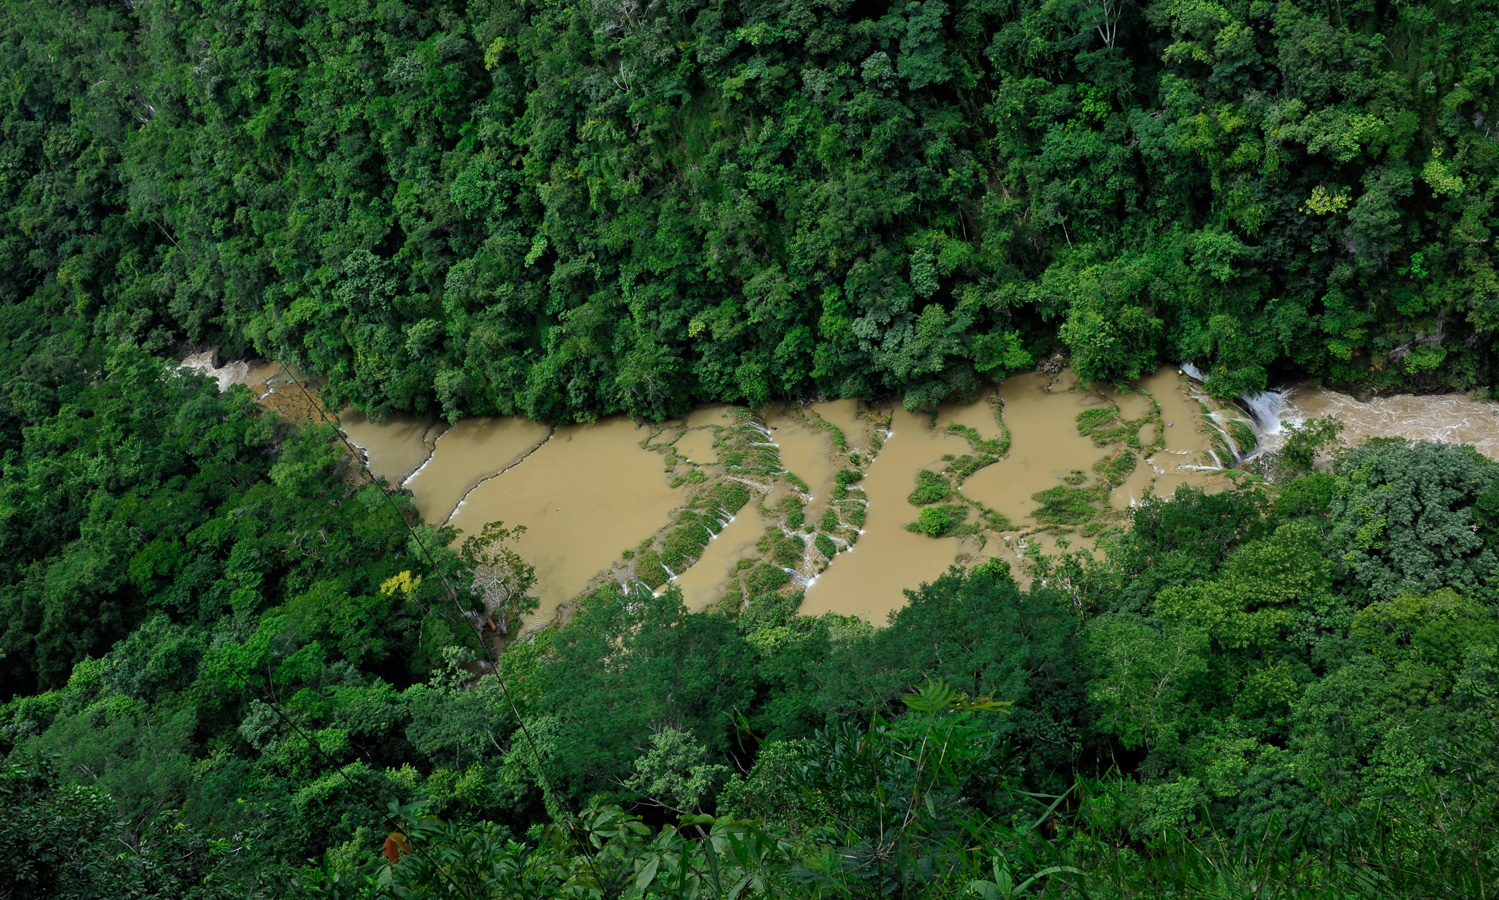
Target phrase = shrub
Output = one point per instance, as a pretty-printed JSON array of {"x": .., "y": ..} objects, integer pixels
[
  {"x": 847, "y": 477},
  {"x": 765, "y": 577},
  {"x": 1103, "y": 426},
  {"x": 731, "y": 495},
  {"x": 649, "y": 569},
  {"x": 939, "y": 521},
  {"x": 1303, "y": 442},
  {"x": 1063, "y": 505},
  {"x": 930, "y": 488}
]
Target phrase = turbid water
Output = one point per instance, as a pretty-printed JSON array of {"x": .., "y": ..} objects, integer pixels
[
  {"x": 585, "y": 495},
  {"x": 464, "y": 456},
  {"x": 869, "y": 579},
  {"x": 697, "y": 445},
  {"x": 395, "y": 448},
  {"x": 1450, "y": 418},
  {"x": 806, "y": 451},
  {"x": 595, "y": 497},
  {"x": 708, "y": 580},
  {"x": 1045, "y": 445}
]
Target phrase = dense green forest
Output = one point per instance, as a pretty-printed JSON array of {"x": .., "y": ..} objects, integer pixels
[
  {"x": 234, "y": 667},
  {"x": 567, "y": 209},
  {"x": 235, "y": 670}
]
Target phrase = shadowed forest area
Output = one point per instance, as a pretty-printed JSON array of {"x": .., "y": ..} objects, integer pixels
[
  {"x": 234, "y": 671},
  {"x": 233, "y": 667}
]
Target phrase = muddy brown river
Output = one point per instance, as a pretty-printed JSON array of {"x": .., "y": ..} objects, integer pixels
[{"x": 828, "y": 483}]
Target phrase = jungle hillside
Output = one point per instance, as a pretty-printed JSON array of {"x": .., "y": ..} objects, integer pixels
[
  {"x": 563, "y": 210},
  {"x": 235, "y": 665}
]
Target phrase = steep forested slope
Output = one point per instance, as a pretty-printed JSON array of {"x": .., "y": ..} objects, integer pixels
[{"x": 571, "y": 208}]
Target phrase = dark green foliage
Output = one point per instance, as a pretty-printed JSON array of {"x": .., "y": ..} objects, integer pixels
[
  {"x": 628, "y": 663},
  {"x": 684, "y": 544},
  {"x": 566, "y": 210},
  {"x": 63, "y": 841},
  {"x": 730, "y": 496},
  {"x": 1403, "y": 517},
  {"x": 1063, "y": 505},
  {"x": 1230, "y": 692},
  {"x": 648, "y": 568},
  {"x": 825, "y": 546},
  {"x": 939, "y": 521},
  {"x": 1303, "y": 442},
  {"x": 930, "y": 488},
  {"x": 983, "y": 635},
  {"x": 848, "y": 477},
  {"x": 178, "y": 560},
  {"x": 765, "y": 577},
  {"x": 784, "y": 549}
]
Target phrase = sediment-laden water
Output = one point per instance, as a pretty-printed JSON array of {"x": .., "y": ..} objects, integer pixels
[
  {"x": 1450, "y": 418},
  {"x": 822, "y": 489},
  {"x": 868, "y": 580}
]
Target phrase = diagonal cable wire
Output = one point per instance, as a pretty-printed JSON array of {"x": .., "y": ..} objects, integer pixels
[
  {"x": 365, "y": 796},
  {"x": 568, "y": 816}
]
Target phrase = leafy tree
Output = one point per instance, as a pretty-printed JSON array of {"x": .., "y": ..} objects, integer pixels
[{"x": 1403, "y": 517}]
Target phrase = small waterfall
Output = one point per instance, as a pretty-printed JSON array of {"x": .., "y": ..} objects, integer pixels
[{"x": 1264, "y": 408}]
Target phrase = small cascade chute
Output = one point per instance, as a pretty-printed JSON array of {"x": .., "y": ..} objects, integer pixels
[{"x": 1264, "y": 409}]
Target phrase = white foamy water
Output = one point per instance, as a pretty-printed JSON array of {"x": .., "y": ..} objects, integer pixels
[
  {"x": 1448, "y": 418},
  {"x": 1265, "y": 409}
]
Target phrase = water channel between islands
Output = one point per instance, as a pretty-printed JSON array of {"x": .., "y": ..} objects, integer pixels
[{"x": 829, "y": 485}]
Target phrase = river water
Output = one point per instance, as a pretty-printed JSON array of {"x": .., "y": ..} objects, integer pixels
[
  {"x": 1449, "y": 418},
  {"x": 598, "y": 499}
]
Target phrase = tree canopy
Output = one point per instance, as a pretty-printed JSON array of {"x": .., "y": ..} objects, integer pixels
[{"x": 564, "y": 210}]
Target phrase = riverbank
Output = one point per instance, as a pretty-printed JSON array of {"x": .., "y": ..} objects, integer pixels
[{"x": 844, "y": 502}]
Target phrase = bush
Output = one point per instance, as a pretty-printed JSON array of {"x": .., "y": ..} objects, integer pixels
[
  {"x": 765, "y": 577},
  {"x": 731, "y": 495},
  {"x": 1404, "y": 516},
  {"x": 939, "y": 521},
  {"x": 1103, "y": 426},
  {"x": 1063, "y": 505},
  {"x": 649, "y": 569},
  {"x": 930, "y": 488},
  {"x": 1303, "y": 442}
]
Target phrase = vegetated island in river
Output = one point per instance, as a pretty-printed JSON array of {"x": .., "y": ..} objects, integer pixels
[{"x": 727, "y": 503}]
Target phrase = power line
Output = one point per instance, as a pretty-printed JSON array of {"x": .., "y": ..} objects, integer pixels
[
  {"x": 494, "y": 662},
  {"x": 369, "y": 800}
]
